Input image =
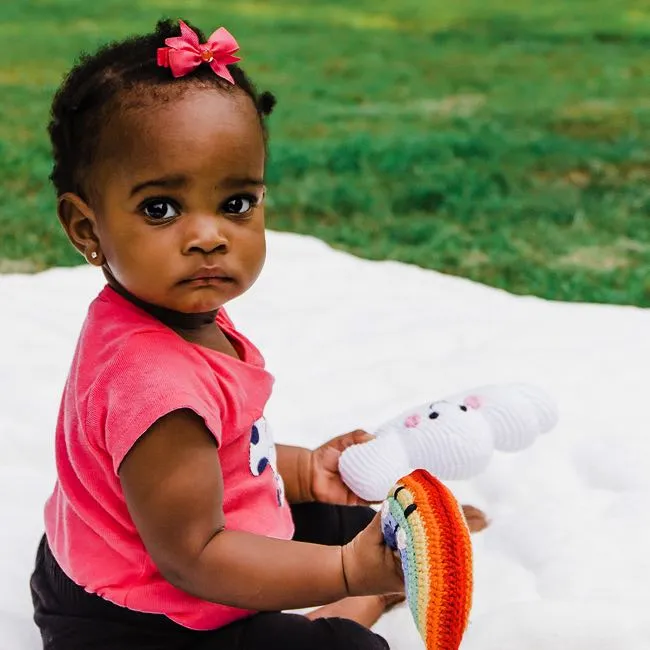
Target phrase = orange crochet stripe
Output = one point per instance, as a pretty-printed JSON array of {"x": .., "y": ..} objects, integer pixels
[
  {"x": 441, "y": 546},
  {"x": 452, "y": 594}
]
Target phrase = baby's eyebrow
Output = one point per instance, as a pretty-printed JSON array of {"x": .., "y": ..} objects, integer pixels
[
  {"x": 240, "y": 181},
  {"x": 179, "y": 180},
  {"x": 172, "y": 182}
]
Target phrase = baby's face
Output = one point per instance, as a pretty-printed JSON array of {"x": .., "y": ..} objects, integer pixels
[{"x": 179, "y": 199}]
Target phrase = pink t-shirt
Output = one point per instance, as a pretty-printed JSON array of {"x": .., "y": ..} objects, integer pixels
[{"x": 128, "y": 371}]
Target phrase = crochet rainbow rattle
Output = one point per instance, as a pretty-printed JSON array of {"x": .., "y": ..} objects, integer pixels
[
  {"x": 424, "y": 523},
  {"x": 452, "y": 438},
  {"x": 421, "y": 519}
]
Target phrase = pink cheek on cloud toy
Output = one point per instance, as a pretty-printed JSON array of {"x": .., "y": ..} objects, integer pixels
[
  {"x": 412, "y": 421},
  {"x": 473, "y": 402}
]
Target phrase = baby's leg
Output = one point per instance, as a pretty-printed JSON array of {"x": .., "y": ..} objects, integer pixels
[
  {"x": 69, "y": 618},
  {"x": 365, "y": 610},
  {"x": 72, "y": 619},
  {"x": 323, "y": 523},
  {"x": 292, "y": 632},
  {"x": 475, "y": 518}
]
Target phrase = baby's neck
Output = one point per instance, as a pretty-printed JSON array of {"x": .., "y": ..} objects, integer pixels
[{"x": 176, "y": 320}]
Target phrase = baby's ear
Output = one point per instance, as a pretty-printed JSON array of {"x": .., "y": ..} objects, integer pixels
[{"x": 80, "y": 224}]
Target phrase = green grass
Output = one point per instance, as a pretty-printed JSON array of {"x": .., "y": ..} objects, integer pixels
[{"x": 503, "y": 140}]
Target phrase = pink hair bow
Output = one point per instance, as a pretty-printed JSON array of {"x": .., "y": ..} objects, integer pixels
[{"x": 184, "y": 53}]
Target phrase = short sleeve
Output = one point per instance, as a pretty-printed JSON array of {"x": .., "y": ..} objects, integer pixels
[{"x": 151, "y": 376}]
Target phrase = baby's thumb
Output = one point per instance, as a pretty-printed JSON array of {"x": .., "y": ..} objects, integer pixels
[{"x": 374, "y": 530}]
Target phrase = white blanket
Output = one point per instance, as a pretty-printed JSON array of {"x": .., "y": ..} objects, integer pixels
[{"x": 565, "y": 562}]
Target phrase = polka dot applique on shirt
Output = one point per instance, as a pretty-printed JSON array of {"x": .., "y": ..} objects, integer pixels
[{"x": 262, "y": 455}]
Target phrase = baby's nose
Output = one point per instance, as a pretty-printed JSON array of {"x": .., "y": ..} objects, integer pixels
[{"x": 206, "y": 234}]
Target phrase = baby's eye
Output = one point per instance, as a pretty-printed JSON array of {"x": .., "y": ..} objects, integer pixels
[
  {"x": 240, "y": 204},
  {"x": 160, "y": 210}
]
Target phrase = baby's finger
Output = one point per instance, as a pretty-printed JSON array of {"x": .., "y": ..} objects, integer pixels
[
  {"x": 356, "y": 437},
  {"x": 355, "y": 499}
]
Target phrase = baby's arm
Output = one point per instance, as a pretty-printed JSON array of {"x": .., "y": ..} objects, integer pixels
[
  {"x": 294, "y": 465},
  {"x": 173, "y": 487}
]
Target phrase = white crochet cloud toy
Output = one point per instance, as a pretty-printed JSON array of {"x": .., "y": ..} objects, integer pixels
[{"x": 452, "y": 439}]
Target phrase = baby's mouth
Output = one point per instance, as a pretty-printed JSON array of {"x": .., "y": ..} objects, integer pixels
[{"x": 209, "y": 275}]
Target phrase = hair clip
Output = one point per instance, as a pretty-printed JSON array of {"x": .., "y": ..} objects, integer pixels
[{"x": 184, "y": 53}]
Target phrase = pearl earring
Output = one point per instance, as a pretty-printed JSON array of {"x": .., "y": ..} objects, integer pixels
[{"x": 94, "y": 255}]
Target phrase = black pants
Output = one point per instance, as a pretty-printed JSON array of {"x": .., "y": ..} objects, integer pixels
[{"x": 72, "y": 619}]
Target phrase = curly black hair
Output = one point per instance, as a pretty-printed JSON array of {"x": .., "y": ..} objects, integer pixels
[{"x": 98, "y": 82}]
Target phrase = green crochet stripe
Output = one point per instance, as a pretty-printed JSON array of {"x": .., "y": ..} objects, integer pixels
[{"x": 410, "y": 576}]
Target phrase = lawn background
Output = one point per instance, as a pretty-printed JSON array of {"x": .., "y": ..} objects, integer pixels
[{"x": 507, "y": 141}]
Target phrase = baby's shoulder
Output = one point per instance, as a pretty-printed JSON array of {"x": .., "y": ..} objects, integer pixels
[{"x": 123, "y": 348}]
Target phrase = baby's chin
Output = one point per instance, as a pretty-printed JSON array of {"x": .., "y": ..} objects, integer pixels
[
  {"x": 201, "y": 307},
  {"x": 202, "y": 303},
  {"x": 205, "y": 300}
]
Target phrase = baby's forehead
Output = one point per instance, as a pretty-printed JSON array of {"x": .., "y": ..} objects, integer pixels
[
  {"x": 170, "y": 129},
  {"x": 148, "y": 95},
  {"x": 161, "y": 112}
]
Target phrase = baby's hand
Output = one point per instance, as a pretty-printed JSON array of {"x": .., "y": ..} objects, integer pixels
[
  {"x": 370, "y": 566},
  {"x": 325, "y": 481}
]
